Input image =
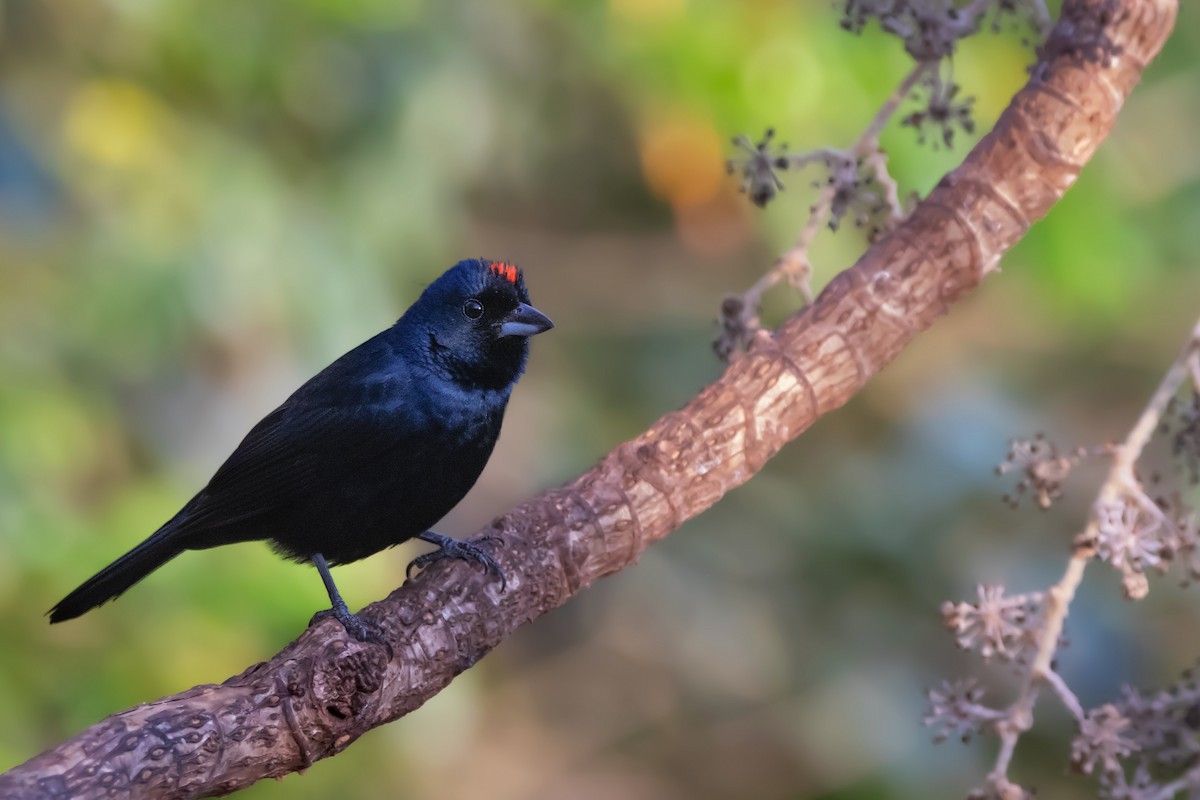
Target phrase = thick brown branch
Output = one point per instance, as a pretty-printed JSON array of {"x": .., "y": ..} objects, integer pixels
[{"x": 324, "y": 691}]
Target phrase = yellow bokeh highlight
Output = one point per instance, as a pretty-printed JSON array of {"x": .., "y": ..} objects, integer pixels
[
  {"x": 116, "y": 124},
  {"x": 682, "y": 160},
  {"x": 783, "y": 79},
  {"x": 133, "y": 159}
]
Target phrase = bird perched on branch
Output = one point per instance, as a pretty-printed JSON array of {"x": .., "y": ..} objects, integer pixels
[{"x": 370, "y": 452}]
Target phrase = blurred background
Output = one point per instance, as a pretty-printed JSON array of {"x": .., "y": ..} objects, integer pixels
[{"x": 203, "y": 202}]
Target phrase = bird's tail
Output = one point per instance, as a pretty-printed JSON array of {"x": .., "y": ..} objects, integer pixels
[{"x": 118, "y": 576}]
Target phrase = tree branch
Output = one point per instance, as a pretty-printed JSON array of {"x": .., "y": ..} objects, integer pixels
[{"x": 323, "y": 691}]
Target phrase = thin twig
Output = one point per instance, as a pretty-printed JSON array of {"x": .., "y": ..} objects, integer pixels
[
  {"x": 793, "y": 263},
  {"x": 870, "y": 137},
  {"x": 1068, "y": 698},
  {"x": 877, "y": 161},
  {"x": 741, "y": 312},
  {"x": 1121, "y": 483}
]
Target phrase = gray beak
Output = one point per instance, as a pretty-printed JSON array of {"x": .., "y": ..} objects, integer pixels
[{"x": 524, "y": 320}]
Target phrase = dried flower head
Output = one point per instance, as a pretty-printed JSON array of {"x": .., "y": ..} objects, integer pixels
[
  {"x": 737, "y": 326},
  {"x": 942, "y": 109},
  {"x": 1165, "y": 724},
  {"x": 1158, "y": 731},
  {"x": 759, "y": 167},
  {"x": 1102, "y": 741},
  {"x": 1042, "y": 466},
  {"x": 1147, "y": 533},
  {"x": 1126, "y": 535},
  {"x": 996, "y": 625},
  {"x": 855, "y": 192},
  {"x": 930, "y": 28},
  {"x": 954, "y": 710}
]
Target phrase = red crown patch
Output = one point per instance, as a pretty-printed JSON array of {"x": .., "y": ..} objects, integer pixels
[{"x": 509, "y": 272}]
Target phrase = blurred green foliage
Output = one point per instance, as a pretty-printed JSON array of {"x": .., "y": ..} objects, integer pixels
[{"x": 204, "y": 201}]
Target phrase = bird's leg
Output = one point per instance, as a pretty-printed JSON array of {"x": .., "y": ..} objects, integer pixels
[
  {"x": 453, "y": 548},
  {"x": 356, "y": 626}
]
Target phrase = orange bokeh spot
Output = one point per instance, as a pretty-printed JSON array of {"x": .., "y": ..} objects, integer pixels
[{"x": 682, "y": 161}]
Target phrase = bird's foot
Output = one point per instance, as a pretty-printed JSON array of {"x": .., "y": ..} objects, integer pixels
[
  {"x": 453, "y": 548},
  {"x": 359, "y": 628}
]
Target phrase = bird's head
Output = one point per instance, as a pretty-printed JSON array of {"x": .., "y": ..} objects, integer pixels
[{"x": 474, "y": 323}]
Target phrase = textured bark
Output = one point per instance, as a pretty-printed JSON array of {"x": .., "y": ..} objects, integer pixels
[{"x": 323, "y": 691}]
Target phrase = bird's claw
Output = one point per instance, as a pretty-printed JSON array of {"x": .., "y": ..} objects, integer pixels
[
  {"x": 466, "y": 551},
  {"x": 360, "y": 629}
]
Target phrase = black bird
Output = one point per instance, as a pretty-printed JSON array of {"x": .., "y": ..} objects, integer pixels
[{"x": 370, "y": 452}]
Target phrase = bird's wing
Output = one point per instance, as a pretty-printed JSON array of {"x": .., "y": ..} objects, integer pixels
[
  {"x": 327, "y": 429},
  {"x": 295, "y": 450}
]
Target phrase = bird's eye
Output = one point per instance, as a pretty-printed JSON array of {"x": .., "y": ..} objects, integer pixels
[{"x": 473, "y": 309}]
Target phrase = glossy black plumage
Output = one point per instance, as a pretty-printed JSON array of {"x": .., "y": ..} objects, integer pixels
[{"x": 368, "y": 453}]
